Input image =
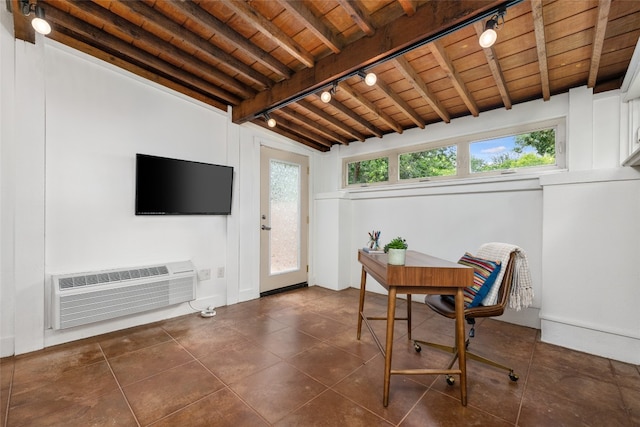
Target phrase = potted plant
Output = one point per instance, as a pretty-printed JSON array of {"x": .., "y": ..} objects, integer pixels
[{"x": 397, "y": 249}]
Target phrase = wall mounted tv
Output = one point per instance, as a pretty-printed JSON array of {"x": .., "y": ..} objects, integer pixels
[{"x": 179, "y": 187}]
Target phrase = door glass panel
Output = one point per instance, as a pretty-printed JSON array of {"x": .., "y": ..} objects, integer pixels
[{"x": 284, "y": 205}]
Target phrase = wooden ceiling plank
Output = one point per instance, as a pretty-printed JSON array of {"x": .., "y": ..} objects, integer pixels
[
  {"x": 158, "y": 20},
  {"x": 313, "y": 127},
  {"x": 403, "y": 66},
  {"x": 409, "y": 6},
  {"x": 598, "y": 40},
  {"x": 370, "y": 106},
  {"x": 330, "y": 119},
  {"x": 429, "y": 20},
  {"x": 104, "y": 39},
  {"x": 282, "y": 119},
  {"x": 197, "y": 14},
  {"x": 157, "y": 43},
  {"x": 135, "y": 69},
  {"x": 445, "y": 63},
  {"x": 284, "y": 131},
  {"x": 538, "y": 27},
  {"x": 400, "y": 103},
  {"x": 313, "y": 24},
  {"x": 496, "y": 70},
  {"x": 356, "y": 14},
  {"x": 270, "y": 30},
  {"x": 354, "y": 116}
]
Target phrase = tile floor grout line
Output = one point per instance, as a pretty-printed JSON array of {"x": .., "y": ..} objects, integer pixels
[{"x": 124, "y": 396}]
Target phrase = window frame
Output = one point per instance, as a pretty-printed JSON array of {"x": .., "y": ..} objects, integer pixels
[{"x": 463, "y": 158}]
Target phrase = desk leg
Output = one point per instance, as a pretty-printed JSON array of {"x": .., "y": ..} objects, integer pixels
[
  {"x": 391, "y": 316},
  {"x": 409, "y": 315},
  {"x": 460, "y": 343},
  {"x": 363, "y": 285}
]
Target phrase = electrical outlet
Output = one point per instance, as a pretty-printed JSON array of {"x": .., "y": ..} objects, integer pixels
[
  {"x": 204, "y": 274},
  {"x": 220, "y": 272}
]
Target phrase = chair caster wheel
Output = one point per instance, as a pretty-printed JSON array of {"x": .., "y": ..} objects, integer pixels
[
  {"x": 450, "y": 380},
  {"x": 513, "y": 377},
  {"x": 417, "y": 347}
]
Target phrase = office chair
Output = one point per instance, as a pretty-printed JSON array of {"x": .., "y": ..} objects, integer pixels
[{"x": 444, "y": 305}]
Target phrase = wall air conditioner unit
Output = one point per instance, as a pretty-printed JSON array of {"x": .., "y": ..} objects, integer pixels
[{"x": 84, "y": 298}]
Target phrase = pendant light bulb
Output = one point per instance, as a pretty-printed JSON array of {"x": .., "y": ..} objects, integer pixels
[{"x": 370, "y": 79}]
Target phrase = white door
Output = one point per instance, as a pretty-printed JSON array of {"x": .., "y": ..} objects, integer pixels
[{"x": 284, "y": 219}]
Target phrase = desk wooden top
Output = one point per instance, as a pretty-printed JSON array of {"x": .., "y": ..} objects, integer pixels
[{"x": 419, "y": 270}]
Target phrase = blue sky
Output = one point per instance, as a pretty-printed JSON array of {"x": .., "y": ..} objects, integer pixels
[{"x": 491, "y": 148}]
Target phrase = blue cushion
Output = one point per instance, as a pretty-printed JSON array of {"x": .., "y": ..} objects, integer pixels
[{"x": 484, "y": 276}]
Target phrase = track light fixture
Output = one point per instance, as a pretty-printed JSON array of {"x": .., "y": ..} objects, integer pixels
[
  {"x": 369, "y": 78},
  {"x": 328, "y": 94},
  {"x": 271, "y": 122},
  {"x": 38, "y": 23},
  {"x": 489, "y": 35}
]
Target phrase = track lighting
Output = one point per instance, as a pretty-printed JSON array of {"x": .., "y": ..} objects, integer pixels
[
  {"x": 271, "y": 122},
  {"x": 38, "y": 23},
  {"x": 369, "y": 78},
  {"x": 326, "y": 95},
  {"x": 489, "y": 35}
]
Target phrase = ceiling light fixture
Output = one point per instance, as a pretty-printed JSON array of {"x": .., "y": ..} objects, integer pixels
[
  {"x": 369, "y": 78},
  {"x": 38, "y": 23},
  {"x": 326, "y": 95},
  {"x": 489, "y": 35},
  {"x": 271, "y": 122}
]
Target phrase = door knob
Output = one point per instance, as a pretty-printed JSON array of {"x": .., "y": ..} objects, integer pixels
[{"x": 266, "y": 227}]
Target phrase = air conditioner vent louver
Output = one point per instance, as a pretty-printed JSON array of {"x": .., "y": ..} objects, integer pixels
[{"x": 80, "y": 299}]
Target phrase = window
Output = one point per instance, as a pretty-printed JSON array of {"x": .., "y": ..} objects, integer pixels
[
  {"x": 526, "y": 148},
  {"x": 536, "y": 148},
  {"x": 439, "y": 161},
  {"x": 368, "y": 171}
]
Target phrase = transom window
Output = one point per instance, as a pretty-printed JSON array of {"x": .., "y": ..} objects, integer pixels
[{"x": 530, "y": 148}]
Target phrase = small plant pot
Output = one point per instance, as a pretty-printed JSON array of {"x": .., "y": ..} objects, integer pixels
[{"x": 396, "y": 256}]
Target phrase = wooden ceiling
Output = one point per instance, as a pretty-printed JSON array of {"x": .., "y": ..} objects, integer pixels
[{"x": 277, "y": 56}]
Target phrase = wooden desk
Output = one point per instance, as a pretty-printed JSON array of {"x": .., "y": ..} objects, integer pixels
[{"x": 421, "y": 274}]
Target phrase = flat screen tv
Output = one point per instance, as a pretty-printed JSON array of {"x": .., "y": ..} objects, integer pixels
[{"x": 179, "y": 187}]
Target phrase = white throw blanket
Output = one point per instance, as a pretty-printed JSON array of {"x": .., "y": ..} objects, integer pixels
[{"x": 521, "y": 289}]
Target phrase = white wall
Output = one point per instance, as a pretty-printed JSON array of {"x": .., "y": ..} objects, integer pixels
[{"x": 71, "y": 126}]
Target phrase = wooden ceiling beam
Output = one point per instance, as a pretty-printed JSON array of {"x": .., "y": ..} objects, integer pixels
[
  {"x": 400, "y": 103},
  {"x": 282, "y": 120},
  {"x": 212, "y": 74},
  {"x": 356, "y": 14},
  {"x": 541, "y": 47},
  {"x": 330, "y": 119},
  {"x": 598, "y": 40},
  {"x": 496, "y": 70},
  {"x": 201, "y": 16},
  {"x": 155, "y": 19},
  {"x": 429, "y": 20},
  {"x": 311, "y": 126},
  {"x": 403, "y": 66},
  {"x": 313, "y": 24},
  {"x": 115, "y": 44},
  {"x": 22, "y": 28},
  {"x": 356, "y": 117},
  {"x": 370, "y": 106},
  {"x": 458, "y": 84},
  {"x": 409, "y": 6},
  {"x": 281, "y": 130},
  {"x": 269, "y": 29}
]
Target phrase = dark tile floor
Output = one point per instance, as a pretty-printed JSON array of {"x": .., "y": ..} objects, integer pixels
[{"x": 292, "y": 359}]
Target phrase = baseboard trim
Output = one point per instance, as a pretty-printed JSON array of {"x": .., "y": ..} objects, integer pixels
[
  {"x": 600, "y": 343},
  {"x": 285, "y": 289}
]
